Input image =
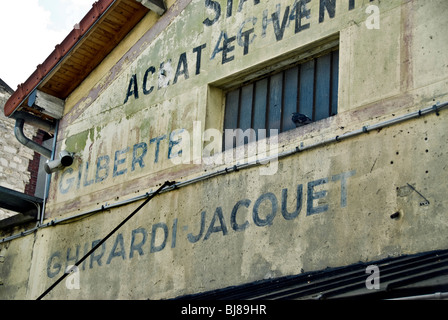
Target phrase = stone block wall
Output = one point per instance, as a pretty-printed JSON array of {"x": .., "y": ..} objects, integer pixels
[{"x": 15, "y": 159}]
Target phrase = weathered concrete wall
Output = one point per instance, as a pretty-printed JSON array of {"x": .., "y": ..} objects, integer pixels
[{"x": 324, "y": 207}]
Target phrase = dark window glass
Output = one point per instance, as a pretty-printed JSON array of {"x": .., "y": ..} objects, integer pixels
[{"x": 309, "y": 89}]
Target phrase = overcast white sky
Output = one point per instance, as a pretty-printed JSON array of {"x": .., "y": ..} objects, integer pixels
[{"x": 30, "y": 29}]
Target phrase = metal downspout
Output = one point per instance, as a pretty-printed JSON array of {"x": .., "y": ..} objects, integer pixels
[
  {"x": 21, "y": 117},
  {"x": 48, "y": 176}
]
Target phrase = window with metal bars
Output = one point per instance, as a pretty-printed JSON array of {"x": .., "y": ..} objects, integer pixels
[{"x": 287, "y": 99}]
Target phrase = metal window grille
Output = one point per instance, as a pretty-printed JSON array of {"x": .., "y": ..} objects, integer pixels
[{"x": 310, "y": 88}]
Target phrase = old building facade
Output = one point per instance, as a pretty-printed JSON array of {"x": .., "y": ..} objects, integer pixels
[{"x": 210, "y": 97}]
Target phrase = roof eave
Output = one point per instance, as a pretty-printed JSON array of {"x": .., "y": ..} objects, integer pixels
[{"x": 73, "y": 40}]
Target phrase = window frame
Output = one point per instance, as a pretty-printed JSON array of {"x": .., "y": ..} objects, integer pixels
[{"x": 282, "y": 72}]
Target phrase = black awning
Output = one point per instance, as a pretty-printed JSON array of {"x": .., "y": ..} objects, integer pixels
[
  {"x": 402, "y": 276},
  {"x": 26, "y": 206}
]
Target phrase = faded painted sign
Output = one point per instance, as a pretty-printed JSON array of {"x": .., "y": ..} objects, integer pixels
[
  {"x": 146, "y": 138},
  {"x": 178, "y": 145},
  {"x": 295, "y": 15},
  {"x": 263, "y": 210}
]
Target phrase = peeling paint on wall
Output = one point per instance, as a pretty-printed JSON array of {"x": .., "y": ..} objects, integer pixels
[{"x": 377, "y": 194}]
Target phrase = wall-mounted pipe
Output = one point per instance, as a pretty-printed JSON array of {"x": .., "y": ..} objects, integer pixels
[
  {"x": 18, "y": 131},
  {"x": 21, "y": 118},
  {"x": 35, "y": 121},
  {"x": 48, "y": 176}
]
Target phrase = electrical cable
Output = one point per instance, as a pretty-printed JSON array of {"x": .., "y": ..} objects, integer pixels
[{"x": 167, "y": 183}]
